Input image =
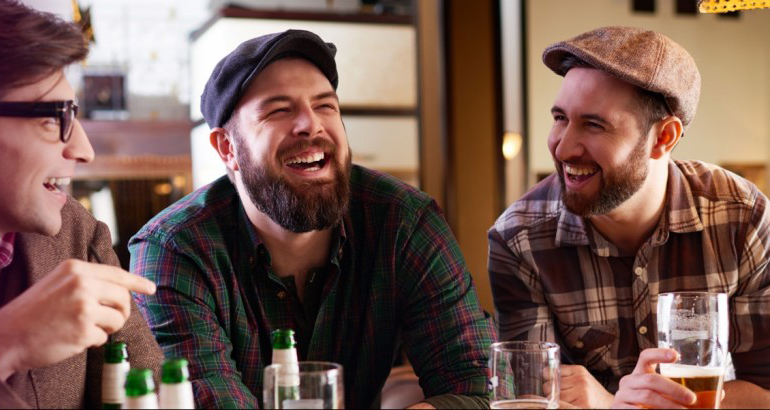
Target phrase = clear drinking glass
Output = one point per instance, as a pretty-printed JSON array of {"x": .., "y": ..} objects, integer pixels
[
  {"x": 695, "y": 324},
  {"x": 525, "y": 375},
  {"x": 320, "y": 387}
]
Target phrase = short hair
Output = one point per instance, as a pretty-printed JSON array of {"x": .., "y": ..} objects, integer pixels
[
  {"x": 35, "y": 44},
  {"x": 650, "y": 107}
]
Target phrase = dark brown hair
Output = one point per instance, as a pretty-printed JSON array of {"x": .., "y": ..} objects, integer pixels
[
  {"x": 35, "y": 44},
  {"x": 650, "y": 107}
]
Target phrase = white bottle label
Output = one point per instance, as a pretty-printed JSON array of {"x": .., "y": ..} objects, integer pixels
[
  {"x": 147, "y": 401},
  {"x": 303, "y": 404},
  {"x": 113, "y": 378},
  {"x": 176, "y": 396},
  {"x": 288, "y": 376}
]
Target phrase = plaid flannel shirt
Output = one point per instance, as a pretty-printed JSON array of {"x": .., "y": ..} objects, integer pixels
[
  {"x": 555, "y": 278},
  {"x": 397, "y": 275}
]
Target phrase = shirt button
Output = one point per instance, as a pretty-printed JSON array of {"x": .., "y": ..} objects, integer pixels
[
  {"x": 639, "y": 271},
  {"x": 643, "y": 330},
  {"x": 282, "y": 295},
  {"x": 579, "y": 344}
]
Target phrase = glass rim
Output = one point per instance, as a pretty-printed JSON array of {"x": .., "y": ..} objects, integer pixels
[
  {"x": 331, "y": 367},
  {"x": 524, "y": 346},
  {"x": 691, "y": 294}
]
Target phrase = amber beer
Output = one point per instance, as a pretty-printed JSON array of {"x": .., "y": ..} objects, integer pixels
[{"x": 704, "y": 381}]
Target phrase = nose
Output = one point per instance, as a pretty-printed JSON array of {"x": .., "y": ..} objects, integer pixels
[
  {"x": 307, "y": 123},
  {"x": 78, "y": 147},
  {"x": 565, "y": 143}
]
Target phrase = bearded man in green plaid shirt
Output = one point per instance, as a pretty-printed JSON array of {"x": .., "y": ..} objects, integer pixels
[
  {"x": 359, "y": 264},
  {"x": 583, "y": 256}
]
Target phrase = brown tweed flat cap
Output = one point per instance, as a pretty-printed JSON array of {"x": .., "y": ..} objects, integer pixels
[{"x": 641, "y": 57}]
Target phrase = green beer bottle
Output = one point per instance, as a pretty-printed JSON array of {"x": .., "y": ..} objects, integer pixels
[
  {"x": 175, "y": 387},
  {"x": 285, "y": 354},
  {"x": 140, "y": 390},
  {"x": 114, "y": 372}
]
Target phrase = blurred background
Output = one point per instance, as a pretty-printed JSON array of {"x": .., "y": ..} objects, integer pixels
[{"x": 448, "y": 95}]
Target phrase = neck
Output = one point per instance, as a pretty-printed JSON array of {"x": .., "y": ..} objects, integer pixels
[
  {"x": 630, "y": 225},
  {"x": 291, "y": 253}
]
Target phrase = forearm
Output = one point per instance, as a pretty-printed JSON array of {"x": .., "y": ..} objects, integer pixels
[
  {"x": 742, "y": 394},
  {"x": 9, "y": 349},
  {"x": 456, "y": 401}
]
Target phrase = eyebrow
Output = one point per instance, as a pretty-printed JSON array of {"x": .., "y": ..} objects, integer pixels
[
  {"x": 593, "y": 117},
  {"x": 286, "y": 98}
]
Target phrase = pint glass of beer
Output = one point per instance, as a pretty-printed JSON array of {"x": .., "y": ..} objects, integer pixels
[
  {"x": 695, "y": 324},
  {"x": 525, "y": 375}
]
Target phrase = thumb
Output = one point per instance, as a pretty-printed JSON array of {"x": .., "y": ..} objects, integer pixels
[{"x": 650, "y": 358}]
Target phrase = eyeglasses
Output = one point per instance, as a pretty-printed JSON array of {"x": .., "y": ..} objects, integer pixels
[{"x": 63, "y": 111}]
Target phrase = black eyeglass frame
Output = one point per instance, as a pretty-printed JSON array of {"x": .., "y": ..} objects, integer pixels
[{"x": 64, "y": 111}]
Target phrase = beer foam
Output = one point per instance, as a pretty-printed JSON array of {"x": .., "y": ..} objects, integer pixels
[{"x": 677, "y": 370}]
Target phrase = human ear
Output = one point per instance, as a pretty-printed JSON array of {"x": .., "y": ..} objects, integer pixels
[
  {"x": 223, "y": 143},
  {"x": 668, "y": 132}
]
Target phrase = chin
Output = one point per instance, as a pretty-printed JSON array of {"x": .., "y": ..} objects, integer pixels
[{"x": 48, "y": 228}]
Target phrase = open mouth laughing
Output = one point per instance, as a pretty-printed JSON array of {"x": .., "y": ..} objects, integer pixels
[
  {"x": 56, "y": 185},
  {"x": 578, "y": 174},
  {"x": 308, "y": 162}
]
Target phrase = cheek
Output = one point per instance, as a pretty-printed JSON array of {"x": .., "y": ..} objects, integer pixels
[{"x": 553, "y": 142}]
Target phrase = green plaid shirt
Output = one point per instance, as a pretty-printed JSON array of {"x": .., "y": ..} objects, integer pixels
[{"x": 395, "y": 276}]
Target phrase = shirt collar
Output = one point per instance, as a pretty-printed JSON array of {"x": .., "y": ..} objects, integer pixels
[
  {"x": 6, "y": 249},
  {"x": 680, "y": 215},
  {"x": 339, "y": 237}
]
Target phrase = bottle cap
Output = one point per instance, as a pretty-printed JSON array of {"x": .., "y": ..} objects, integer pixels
[
  {"x": 115, "y": 352},
  {"x": 283, "y": 339},
  {"x": 174, "y": 371},
  {"x": 139, "y": 382}
]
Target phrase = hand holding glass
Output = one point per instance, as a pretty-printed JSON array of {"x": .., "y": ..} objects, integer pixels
[
  {"x": 525, "y": 375},
  {"x": 695, "y": 324}
]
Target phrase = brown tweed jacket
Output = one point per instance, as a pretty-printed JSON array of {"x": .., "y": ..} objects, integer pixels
[{"x": 75, "y": 382}]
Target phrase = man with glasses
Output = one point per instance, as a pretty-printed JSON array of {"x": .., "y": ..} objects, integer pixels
[{"x": 57, "y": 303}]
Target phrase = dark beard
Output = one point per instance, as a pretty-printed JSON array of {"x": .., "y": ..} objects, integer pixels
[
  {"x": 309, "y": 207},
  {"x": 615, "y": 188}
]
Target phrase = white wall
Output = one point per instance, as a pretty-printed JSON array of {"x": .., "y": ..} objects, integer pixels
[{"x": 732, "y": 123}]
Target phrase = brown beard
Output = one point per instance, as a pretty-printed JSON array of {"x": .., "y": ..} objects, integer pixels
[
  {"x": 615, "y": 187},
  {"x": 310, "y": 207}
]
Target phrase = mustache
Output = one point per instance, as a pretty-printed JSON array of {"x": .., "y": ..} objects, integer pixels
[{"x": 292, "y": 150}]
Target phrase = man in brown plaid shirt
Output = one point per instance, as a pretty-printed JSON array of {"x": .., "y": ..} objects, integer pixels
[{"x": 582, "y": 257}]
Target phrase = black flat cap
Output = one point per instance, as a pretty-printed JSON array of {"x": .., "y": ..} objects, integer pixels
[{"x": 233, "y": 75}]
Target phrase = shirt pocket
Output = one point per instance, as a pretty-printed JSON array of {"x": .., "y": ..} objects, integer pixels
[{"x": 588, "y": 345}]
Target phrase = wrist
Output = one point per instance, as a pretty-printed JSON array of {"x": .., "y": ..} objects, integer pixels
[
  {"x": 9, "y": 352},
  {"x": 8, "y": 364}
]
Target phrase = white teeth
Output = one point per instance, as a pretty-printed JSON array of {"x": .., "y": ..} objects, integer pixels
[
  {"x": 573, "y": 170},
  {"x": 306, "y": 158},
  {"x": 58, "y": 182}
]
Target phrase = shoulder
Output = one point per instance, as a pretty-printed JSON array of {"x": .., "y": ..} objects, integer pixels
[
  {"x": 711, "y": 183},
  {"x": 538, "y": 209},
  {"x": 201, "y": 211},
  {"x": 371, "y": 189}
]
